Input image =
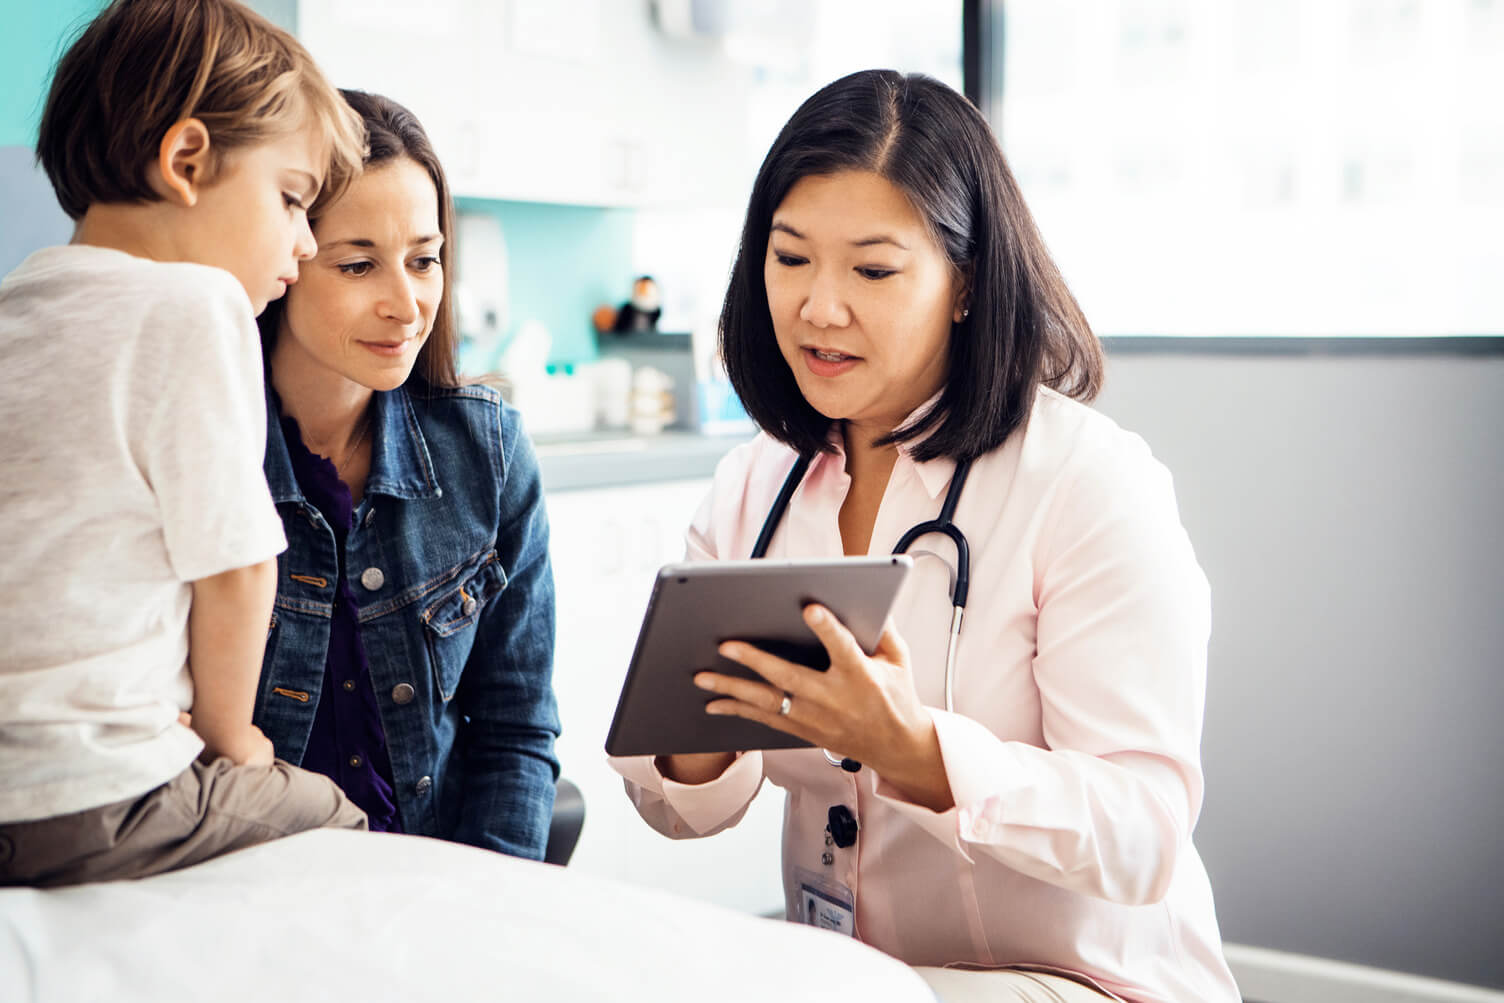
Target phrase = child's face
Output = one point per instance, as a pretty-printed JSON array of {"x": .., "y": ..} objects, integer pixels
[
  {"x": 251, "y": 218},
  {"x": 367, "y": 301}
]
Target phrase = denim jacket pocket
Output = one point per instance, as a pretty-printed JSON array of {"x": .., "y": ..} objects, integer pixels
[{"x": 450, "y": 620}]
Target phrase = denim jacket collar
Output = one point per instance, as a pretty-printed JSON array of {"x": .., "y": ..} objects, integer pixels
[{"x": 400, "y": 464}]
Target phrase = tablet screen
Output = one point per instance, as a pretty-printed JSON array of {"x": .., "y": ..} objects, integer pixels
[{"x": 695, "y": 607}]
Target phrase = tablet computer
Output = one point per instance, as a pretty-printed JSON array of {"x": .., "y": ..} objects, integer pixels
[{"x": 695, "y": 607}]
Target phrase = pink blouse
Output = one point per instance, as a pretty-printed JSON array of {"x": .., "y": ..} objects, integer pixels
[{"x": 1073, "y": 751}]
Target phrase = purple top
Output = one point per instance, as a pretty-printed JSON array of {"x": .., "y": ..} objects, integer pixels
[{"x": 348, "y": 742}]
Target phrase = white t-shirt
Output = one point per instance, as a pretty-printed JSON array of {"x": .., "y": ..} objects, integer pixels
[{"x": 132, "y": 427}]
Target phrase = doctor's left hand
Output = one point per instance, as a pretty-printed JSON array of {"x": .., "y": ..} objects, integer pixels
[{"x": 865, "y": 707}]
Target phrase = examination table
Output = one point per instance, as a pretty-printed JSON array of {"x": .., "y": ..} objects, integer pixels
[{"x": 361, "y": 916}]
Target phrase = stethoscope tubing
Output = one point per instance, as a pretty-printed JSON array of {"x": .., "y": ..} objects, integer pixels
[{"x": 943, "y": 524}]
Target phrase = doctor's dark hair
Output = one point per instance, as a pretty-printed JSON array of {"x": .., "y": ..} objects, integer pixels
[
  {"x": 1024, "y": 327},
  {"x": 392, "y": 133}
]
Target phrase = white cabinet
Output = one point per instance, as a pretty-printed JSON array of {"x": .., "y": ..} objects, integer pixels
[
  {"x": 607, "y": 544},
  {"x": 580, "y": 102}
]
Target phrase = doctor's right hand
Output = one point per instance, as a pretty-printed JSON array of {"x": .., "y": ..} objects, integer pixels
[{"x": 694, "y": 767}]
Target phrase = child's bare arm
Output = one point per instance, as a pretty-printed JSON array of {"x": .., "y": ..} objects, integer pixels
[{"x": 226, "y": 639}]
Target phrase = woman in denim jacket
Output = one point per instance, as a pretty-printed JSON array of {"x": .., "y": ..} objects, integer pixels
[{"x": 411, "y": 644}]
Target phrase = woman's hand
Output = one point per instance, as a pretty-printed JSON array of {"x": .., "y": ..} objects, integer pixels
[{"x": 863, "y": 706}]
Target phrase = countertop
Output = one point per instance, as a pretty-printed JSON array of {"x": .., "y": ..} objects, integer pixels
[{"x": 608, "y": 459}]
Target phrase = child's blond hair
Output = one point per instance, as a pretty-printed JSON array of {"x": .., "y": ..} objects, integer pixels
[{"x": 143, "y": 65}]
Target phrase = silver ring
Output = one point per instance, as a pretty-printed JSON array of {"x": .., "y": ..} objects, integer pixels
[{"x": 787, "y": 705}]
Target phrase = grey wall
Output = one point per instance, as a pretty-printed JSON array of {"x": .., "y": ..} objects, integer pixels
[
  {"x": 29, "y": 209},
  {"x": 1347, "y": 510}
]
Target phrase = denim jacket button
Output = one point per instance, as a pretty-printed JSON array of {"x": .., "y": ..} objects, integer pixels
[
  {"x": 468, "y": 607},
  {"x": 372, "y": 578},
  {"x": 370, "y": 517},
  {"x": 403, "y": 693},
  {"x": 424, "y": 784}
]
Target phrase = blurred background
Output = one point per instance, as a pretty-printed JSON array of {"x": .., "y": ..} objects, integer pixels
[{"x": 1283, "y": 217}]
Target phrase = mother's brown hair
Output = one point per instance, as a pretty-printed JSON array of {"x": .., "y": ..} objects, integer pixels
[{"x": 393, "y": 132}]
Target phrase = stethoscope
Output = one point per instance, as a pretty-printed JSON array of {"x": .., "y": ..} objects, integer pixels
[{"x": 944, "y": 524}]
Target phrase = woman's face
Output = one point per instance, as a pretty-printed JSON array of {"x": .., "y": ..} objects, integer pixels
[
  {"x": 862, "y": 298},
  {"x": 365, "y": 304}
]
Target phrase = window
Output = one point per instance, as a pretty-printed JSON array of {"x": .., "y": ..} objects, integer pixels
[{"x": 1263, "y": 167}]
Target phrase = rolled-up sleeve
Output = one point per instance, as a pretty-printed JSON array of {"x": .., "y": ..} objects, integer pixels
[
  {"x": 1106, "y": 805},
  {"x": 685, "y": 811}
]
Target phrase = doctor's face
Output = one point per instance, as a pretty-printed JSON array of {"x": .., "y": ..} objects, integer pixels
[
  {"x": 862, "y": 298},
  {"x": 366, "y": 303}
]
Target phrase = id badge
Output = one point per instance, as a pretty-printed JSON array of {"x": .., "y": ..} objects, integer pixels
[{"x": 825, "y": 904}]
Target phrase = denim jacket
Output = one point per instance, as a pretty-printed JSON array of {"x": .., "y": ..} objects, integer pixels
[{"x": 448, "y": 558}]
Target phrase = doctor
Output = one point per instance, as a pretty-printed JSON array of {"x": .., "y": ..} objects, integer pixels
[{"x": 893, "y": 313}]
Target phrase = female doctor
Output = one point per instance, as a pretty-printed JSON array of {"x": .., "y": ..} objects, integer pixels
[{"x": 1014, "y": 816}]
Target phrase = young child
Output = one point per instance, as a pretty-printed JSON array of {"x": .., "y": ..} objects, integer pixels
[{"x": 187, "y": 140}]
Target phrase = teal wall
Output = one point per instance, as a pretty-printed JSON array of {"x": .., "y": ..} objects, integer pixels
[
  {"x": 34, "y": 35},
  {"x": 283, "y": 13},
  {"x": 563, "y": 262}
]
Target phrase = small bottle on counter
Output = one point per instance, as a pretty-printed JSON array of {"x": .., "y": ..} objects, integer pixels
[{"x": 652, "y": 400}]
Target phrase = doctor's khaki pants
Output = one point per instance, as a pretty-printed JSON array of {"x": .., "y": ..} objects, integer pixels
[
  {"x": 961, "y": 985},
  {"x": 208, "y": 810}
]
